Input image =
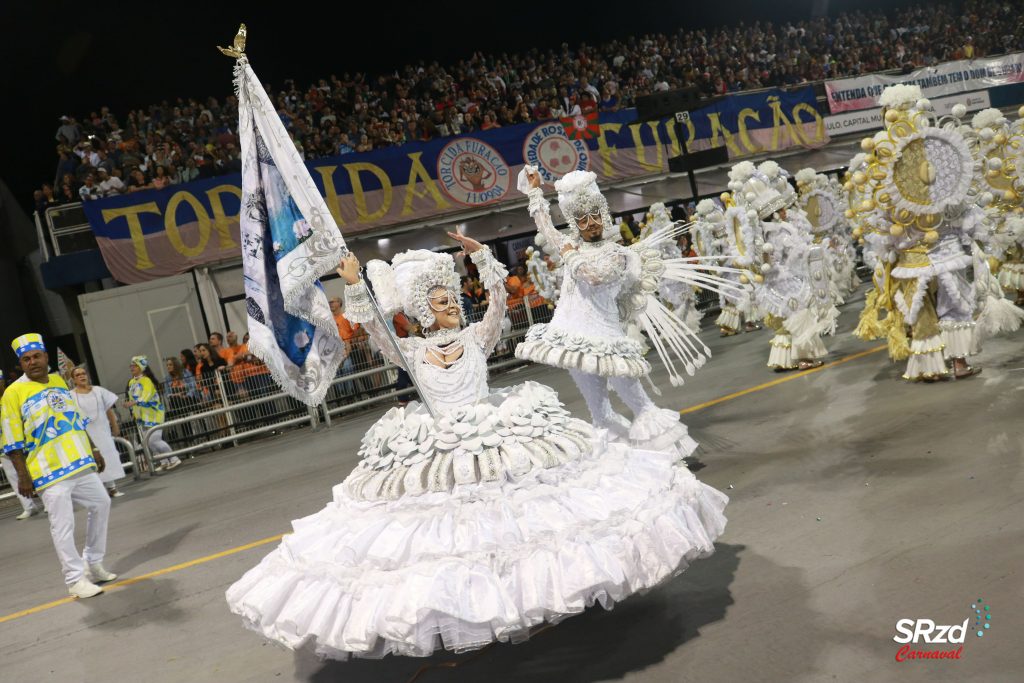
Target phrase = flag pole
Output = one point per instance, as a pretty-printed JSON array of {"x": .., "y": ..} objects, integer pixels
[{"x": 237, "y": 51}]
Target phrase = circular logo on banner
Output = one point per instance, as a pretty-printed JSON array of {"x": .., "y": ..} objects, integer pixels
[
  {"x": 472, "y": 172},
  {"x": 554, "y": 155}
]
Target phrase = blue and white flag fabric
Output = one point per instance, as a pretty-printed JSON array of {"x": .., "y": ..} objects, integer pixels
[{"x": 289, "y": 241}]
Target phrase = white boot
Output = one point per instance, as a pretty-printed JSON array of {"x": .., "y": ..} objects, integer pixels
[
  {"x": 84, "y": 588},
  {"x": 31, "y": 512},
  {"x": 100, "y": 575}
]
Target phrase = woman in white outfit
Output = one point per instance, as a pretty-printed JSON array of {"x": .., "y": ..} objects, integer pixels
[
  {"x": 497, "y": 513},
  {"x": 96, "y": 406}
]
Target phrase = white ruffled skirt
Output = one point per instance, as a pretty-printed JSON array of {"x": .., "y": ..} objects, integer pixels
[
  {"x": 486, "y": 562},
  {"x": 607, "y": 356}
]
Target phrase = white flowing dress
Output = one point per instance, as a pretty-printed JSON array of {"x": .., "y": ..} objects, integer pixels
[
  {"x": 501, "y": 514},
  {"x": 93, "y": 408}
]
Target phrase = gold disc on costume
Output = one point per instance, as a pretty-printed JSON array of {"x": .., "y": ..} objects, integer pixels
[{"x": 929, "y": 173}]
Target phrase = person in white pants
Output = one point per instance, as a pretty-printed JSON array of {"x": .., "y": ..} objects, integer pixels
[
  {"x": 96, "y": 406},
  {"x": 51, "y": 452},
  {"x": 29, "y": 506}
]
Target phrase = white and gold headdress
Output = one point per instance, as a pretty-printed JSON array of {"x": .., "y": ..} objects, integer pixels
[
  {"x": 755, "y": 191},
  {"x": 921, "y": 170},
  {"x": 820, "y": 200}
]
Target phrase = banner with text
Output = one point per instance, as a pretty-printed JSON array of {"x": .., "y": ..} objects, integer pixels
[
  {"x": 862, "y": 92},
  {"x": 871, "y": 119},
  {"x": 156, "y": 233}
]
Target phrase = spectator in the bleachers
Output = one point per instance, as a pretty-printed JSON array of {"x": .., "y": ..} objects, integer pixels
[
  {"x": 110, "y": 186},
  {"x": 356, "y": 344},
  {"x": 187, "y": 357},
  {"x": 90, "y": 190},
  {"x": 87, "y": 153},
  {"x": 217, "y": 347},
  {"x": 160, "y": 178},
  {"x": 488, "y": 122},
  {"x": 67, "y": 193},
  {"x": 258, "y": 381},
  {"x": 233, "y": 349},
  {"x": 67, "y": 162},
  {"x": 69, "y": 132},
  {"x": 209, "y": 364},
  {"x": 96, "y": 406},
  {"x": 484, "y": 91},
  {"x": 46, "y": 198},
  {"x": 130, "y": 157},
  {"x": 344, "y": 146},
  {"x": 83, "y": 169},
  {"x": 138, "y": 181},
  {"x": 474, "y": 296},
  {"x": 182, "y": 393},
  {"x": 104, "y": 162},
  {"x": 189, "y": 172},
  {"x": 514, "y": 286},
  {"x": 181, "y": 386}
]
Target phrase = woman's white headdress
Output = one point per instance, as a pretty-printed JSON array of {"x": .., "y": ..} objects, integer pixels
[{"x": 406, "y": 283}]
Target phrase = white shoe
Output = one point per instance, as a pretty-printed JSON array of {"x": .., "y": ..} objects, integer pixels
[
  {"x": 114, "y": 493},
  {"x": 28, "y": 513},
  {"x": 84, "y": 588},
  {"x": 100, "y": 575},
  {"x": 171, "y": 465}
]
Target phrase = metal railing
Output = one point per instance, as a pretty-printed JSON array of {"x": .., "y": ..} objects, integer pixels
[{"x": 311, "y": 416}]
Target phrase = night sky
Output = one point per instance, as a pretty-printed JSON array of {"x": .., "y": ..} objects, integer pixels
[{"x": 64, "y": 57}]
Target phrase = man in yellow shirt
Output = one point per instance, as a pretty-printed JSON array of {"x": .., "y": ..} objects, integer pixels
[{"x": 46, "y": 441}]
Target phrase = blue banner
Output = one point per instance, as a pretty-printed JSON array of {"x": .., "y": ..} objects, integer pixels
[{"x": 155, "y": 233}]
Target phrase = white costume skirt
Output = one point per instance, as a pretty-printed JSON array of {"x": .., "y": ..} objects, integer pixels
[
  {"x": 549, "y": 344},
  {"x": 484, "y": 562}
]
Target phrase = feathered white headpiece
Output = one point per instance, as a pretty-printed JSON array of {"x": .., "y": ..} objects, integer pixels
[{"x": 407, "y": 281}]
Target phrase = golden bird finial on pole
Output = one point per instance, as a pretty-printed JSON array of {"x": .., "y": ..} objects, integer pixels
[{"x": 237, "y": 49}]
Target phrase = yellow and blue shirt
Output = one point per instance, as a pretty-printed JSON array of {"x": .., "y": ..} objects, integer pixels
[
  {"x": 148, "y": 409},
  {"x": 42, "y": 421}
]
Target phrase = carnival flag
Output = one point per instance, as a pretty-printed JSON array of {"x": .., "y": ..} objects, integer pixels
[
  {"x": 581, "y": 126},
  {"x": 289, "y": 241},
  {"x": 64, "y": 364}
]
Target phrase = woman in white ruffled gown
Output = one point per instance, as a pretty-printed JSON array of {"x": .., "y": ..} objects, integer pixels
[{"x": 499, "y": 514}]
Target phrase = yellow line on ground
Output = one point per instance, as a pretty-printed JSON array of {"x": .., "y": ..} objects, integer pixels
[
  {"x": 255, "y": 544},
  {"x": 780, "y": 380},
  {"x": 144, "y": 577}
]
